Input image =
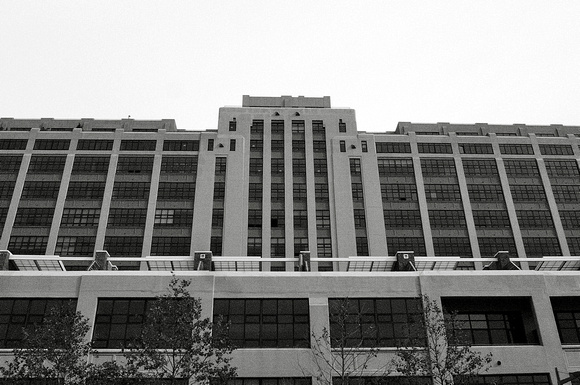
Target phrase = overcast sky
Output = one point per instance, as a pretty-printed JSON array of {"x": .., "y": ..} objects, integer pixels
[{"x": 419, "y": 61}]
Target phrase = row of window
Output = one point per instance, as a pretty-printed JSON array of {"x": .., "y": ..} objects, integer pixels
[{"x": 100, "y": 145}]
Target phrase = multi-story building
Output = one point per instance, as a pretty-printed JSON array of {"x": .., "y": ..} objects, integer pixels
[{"x": 288, "y": 177}]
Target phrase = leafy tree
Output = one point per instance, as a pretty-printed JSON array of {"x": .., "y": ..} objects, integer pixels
[
  {"x": 177, "y": 343},
  {"x": 55, "y": 350},
  {"x": 437, "y": 348}
]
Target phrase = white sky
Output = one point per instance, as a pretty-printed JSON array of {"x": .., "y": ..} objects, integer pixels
[{"x": 420, "y": 61}]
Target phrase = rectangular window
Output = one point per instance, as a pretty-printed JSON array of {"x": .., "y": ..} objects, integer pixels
[
  {"x": 277, "y": 192},
  {"x": 298, "y": 126},
  {"x": 173, "y": 217},
  {"x": 75, "y": 246},
  {"x": 210, "y": 144},
  {"x": 176, "y": 191},
  {"x": 362, "y": 246},
  {"x": 298, "y": 145},
  {"x": 7, "y": 189},
  {"x": 256, "y": 145},
  {"x": 179, "y": 164},
  {"x": 277, "y": 166},
  {"x": 256, "y": 166},
  {"x": 567, "y": 315},
  {"x": 277, "y": 219},
  {"x": 171, "y": 246},
  {"x": 257, "y": 127},
  {"x": 277, "y": 145},
  {"x": 541, "y": 247},
  {"x": 220, "y": 166},
  {"x": 13, "y": 144},
  {"x": 566, "y": 193},
  {"x": 232, "y": 125},
  {"x": 299, "y": 167},
  {"x": 10, "y": 164},
  {"x": 181, "y": 145},
  {"x": 372, "y": 322},
  {"x": 562, "y": 168},
  {"x": 34, "y": 217},
  {"x": 318, "y": 127},
  {"x": 86, "y": 190},
  {"x": 277, "y": 127},
  {"x": 475, "y": 148},
  {"x": 447, "y": 219},
  {"x": 491, "y": 219},
  {"x": 479, "y": 167},
  {"x": 485, "y": 193},
  {"x": 39, "y": 190},
  {"x": 399, "y": 192},
  {"x": 488, "y": 247},
  {"x": 25, "y": 313},
  {"x": 219, "y": 191},
  {"x": 527, "y": 193},
  {"x": 438, "y": 167},
  {"x": 452, "y": 247},
  {"x": 513, "y": 379},
  {"x": 266, "y": 323},
  {"x": 570, "y": 219},
  {"x": 232, "y": 145},
  {"x": 434, "y": 148},
  {"x": 124, "y": 246},
  {"x": 355, "y": 168},
  {"x": 28, "y": 245},
  {"x": 442, "y": 192},
  {"x": 341, "y": 126},
  {"x": 321, "y": 192},
  {"x": 395, "y": 167},
  {"x": 299, "y": 191},
  {"x": 319, "y": 146},
  {"x": 91, "y": 164},
  {"x": 364, "y": 146},
  {"x": 357, "y": 191},
  {"x": 521, "y": 167},
  {"x": 516, "y": 149},
  {"x": 52, "y": 144},
  {"x": 138, "y": 145},
  {"x": 255, "y": 218},
  {"x": 254, "y": 246},
  {"x": 323, "y": 219},
  {"x": 556, "y": 149},
  {"x": 416, "y": 244},
  {"x": 300, "y": 219},
  {"x": 135, "y": 165},
  {"x": 300, "y": 244},
  {"x": 94, "y": 145},
  {"x": 324, "y": 248},
  {"x": 217, "y": 218},
  {"x": 47, "y": 164},
  {"x": 393, "y": 148},
  {"x": 119, "y": 321},
  {"x": 277, "y": 247},
  {"x": 320, "y": 167},
  {"x": 255, "y": 192},
  {"x": 127, "y": 217},
  {"x": 360, "y": 221},
  {"x": 395, "y": 219},
  {"x": 342, "y": 144},
  {"x": 535, "y": 219},
  {"x": 130, "y": 190},
  {"x": 80, "y": 217}
]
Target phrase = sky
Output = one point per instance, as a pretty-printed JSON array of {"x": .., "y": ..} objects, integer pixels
[{"x": 491, "y": 61}]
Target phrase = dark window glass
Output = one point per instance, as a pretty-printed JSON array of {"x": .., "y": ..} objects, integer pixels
[
  {"x": 298, "y": 145},
  {"x": 416, "y": 244},
  {"x": 135, "y": 165},
  {"x": 256, "y": 166},
  {"x": 217, "y": 218},
  {"x": 131, "y": 190},
  {"x": 442, "y": 192},
  {"x": 277, "y": 247},
  {"x": 220, "y": 166},
  {"x": 319, "y": 146},
  {"x": 362, "y": 246},
  {"x": 24, "y": 313},
  {"x": 570, "y": 219},
  {"x": 138, "y": 145},
  {"x": 565, "y": 168},
  {"x": 176, "y": 191},
  {"x": 323, "y": 248},
  {"x": 488, "y": 247},
  {"x": 395, "y": 219},
  {"x": 372, "y": 322},
  {"x": 479, "y": 167},
  {"x": 359, "y": 219},
  {"x": 399, "y": 192},
  {"x": 298, "y": 126},
  {"x": 10, "y": 163},
  {"x": 90, "y": 164},
  {"x": 47, "y": 164},
  {"x": 277, "y": 145},
  {"x": 232, "y": 125},
  {"x": 341, "y": 126},
  {"x": 181, "y": 145},
  {"x": 255, "y": 218},
  {"x": 119, "y": 321},
  {"x": 320, "y": 167},
  {"x": 94, "y": 145},
  {"x": 75, "y": 246},
  {"x": 219, "y": 191},
  {"x": 179, "y": 164},
  {"x": 232, "y": 145},
  {"x": 438, "y": 167},
  {"x": 556, "y": 149},
  {"x": 28, "y": 245},
  {"x": 257, "y": 127},
  {"x": 255, "y": 192},
  {"x": 257, "y": 145},
  {"x": 277, "y": 218},
  {"x": 323, "y": 219},
  {"x": 277, "y": 126},
  {"x": 277, "y": 166},
  {"x": 321, "y": 192},
  {"x": 392, "y": 148},
  {"x": 299, "y": 191},
  {"x": 567, "y": 315},
  {"x": 254, "y": 246},
  {"x": 513, "y": 379},
  {"x": 34, "y": 217},
  {"x": 475, "y": 148},
  {"x": 86, "y": 190},
  {"x": 40, "y": 190},
  {"x": 448, "y": 219},
  {"x": 527, "y": 193},
  {"x": 566, "y": 193},
  {"x": 51, "y": 144},
  {"x": 342, "y": 146},
  {"x": 434, "y": 148},
  {"x": 395, "y": 167},
  {"x": 318, "y": 127},
  {"x": 171, "y": 246},
  {"x": 491, "y": 218},
  {"x": 516, "y": 149},
  {"x": 300, "y": 219},
  {"x": 300, "y": 244},
  {"x": 357, "y": 191},
  {"x": 364, "y": 146},
  {"x": 485, "y": 193},
  {"x": 173, "y": 217},
  {"x": 299, "y": 167},
  {"x": 355, "y": 168},
  {"x": 210, "y": 144},
  {"x": 521, "y": 167},
  {"x": 266, "y": 323},
  {"x": 452, "y": 246},
  {"x": 127, "y": 217},
  {"x": 13, "y": 144},
  {"x": 541, "y": 247},
  {"x": 80, "y": 217},
  {"x": 7, "y": 189},
  {"x": 535, "y": 219},
  {"x": 277, "y": 191},
  {"x": 124, "y": 246}
]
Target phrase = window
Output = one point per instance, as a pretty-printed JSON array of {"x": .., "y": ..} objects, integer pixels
[
  {"x": 277, "y": 166},
  {"x": 355, "y": 169},
  {"x": 210, "y": 144},
  {"x": 127, "y": 217},
  {"x": 255, "y": 218},
  {"x": 565, "y": 168},
  {"x": 277, "y": 145},
  {"x": 494, "y": 320},
  {"x": 277, "y": 247},
  {"x": 320, "y": 167},
  {"x": 138, "y": 145},
  {"x": 300, "y": 244},
  {"x": 124, "y": 246},
  {"x": 513, "y": 379},
  {"x": 86, "y": 190},
  {"x": 362, "y": 246},
  {"x": 341, "y": 126},
  {"x": 574, "y": 245},
  {"x": 39, "y": 190},
  {"x": 220, "y": 166},
  {"x": 299, "y": 167},
  {"x": 541, "y": 247},
  {"x": 232, "y": 145},
  {"x": 232, "y": 125},
  {"x": 34, "y": 217},
  {"x": 300, "y": 219},
  {"x": 567, "y": 315},
  {"x": 357, "y": 191},
  {"x": 475, "y": 148},
  {"x": 364, "y": 146},
  {"x": 176, "y": 191},
  {"x": 323, "y": 219},
  {"x": 254, "y": 246},
  {"x": 298, "y": 126},
  {"x": 527, "y": 193},
  {"x": 438, "y": 167},
  {"x": 393, "y": 148},
  {"x": 298, "y": 145},
  {"x": 516, "y": 149},
  {"x": 566, "y": 193},
  {"x": 173, "y": 246},
  {"x": 479, "y": 167},
  {"x": 395, "y": 219},
  {"x": 52, "y": 144},
  {"x": 266, "y": 323},
  {"x": 535, "y": 219},
  {"x": 13, "y": 144},
  {"x": 442, "y": 192},
  {"x": 299, "y": 191},
  {"x": 396, "y": 167},
  {"x": 416, "y": 244},
  {"x": 277, "y": 191},
  {"x": 256, "y": 166},
  {"x": 255, "y": 192},
  {"x": 434, "y": 148},
  {"x": 399, "y": 192},
  {"x": 359, "y": 219},
  {"x": 257, "y": 127},
  {"x": 556, "y": 149},
  {"x": 520, "y": 167},
  {"x": 91, "y": 164},
  {"x": 491, "y": 218},
  {"x": 119, "y": 321},
  {"x": 28, "y": 245},
  {"x": 318, "y": 127},
  {"x": 342, "y": 146},
  {"x": 130, "y": 190},
  {"x": 321, "y": 192},
  {"x": 181, "y": 145},
  {"x": 323, "y": 248},
  {"x": 277, "y": 127},
  {"x": 217, "y": 218},
  {"x": 489, "y": 246},
  {"x": 80, "y": 217},
  {"x": 10, "y": 164},
  {"x": 173, "y": 217},
  {"x": 75, "y": 246},
  {"x": 570, "y": 219},
  {"x": 134, "y": 164},
  {"x": 277, "y": 218},
  {"x": 7, "y": 189},
  {"x": 448, "y": 219},
  {"x": 319, "y": 146},
  {"x": 452, "y": 247},
  {"x": 179, "y": 164},
  {"x": 372, "y": 322},
  {"x": 24, "y": 313},
  {"x": 219, "y": 191},
  {"x": 94, "y": 145},
  {"x": 485, "y": 193},
  {"x": 257, "y": 145},
  {"x": 47, "y": 164}
]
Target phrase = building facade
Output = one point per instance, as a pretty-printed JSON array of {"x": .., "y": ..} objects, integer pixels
[{"x": 284, "y": 177}]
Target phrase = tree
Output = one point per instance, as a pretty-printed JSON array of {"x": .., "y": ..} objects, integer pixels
[
  {"x": 343, "y": 353},
  {"x": 55, "y": 350},
  {"x": 437, "y": 348},
  {"x": 177, "y": 343}
]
